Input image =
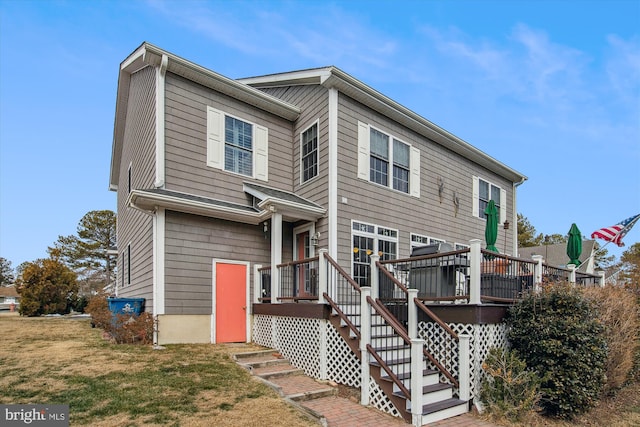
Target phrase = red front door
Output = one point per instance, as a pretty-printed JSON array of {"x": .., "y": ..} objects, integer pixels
[{"x": 231, "y": 302}]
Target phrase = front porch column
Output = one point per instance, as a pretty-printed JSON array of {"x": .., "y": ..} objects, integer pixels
[
  {"x": 276, "y": 254},
  {"x": 375, "y": 277}
]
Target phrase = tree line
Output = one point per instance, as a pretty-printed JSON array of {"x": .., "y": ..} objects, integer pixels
[{"x": 78, "y": 267}]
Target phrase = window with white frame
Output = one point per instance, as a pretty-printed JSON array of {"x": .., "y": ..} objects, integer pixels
[
  {"x": 418, "y": 240},
  {"x": 388, "y": 161},
  {"x": 366, "y": 239},
  {"x": 483, "y": 192},
  {"x": 309, "y": 153},
  {"x": 236, "y": 145}
]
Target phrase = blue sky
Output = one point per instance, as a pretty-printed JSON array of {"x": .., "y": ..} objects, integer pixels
[{"x": 550, "y": 88}]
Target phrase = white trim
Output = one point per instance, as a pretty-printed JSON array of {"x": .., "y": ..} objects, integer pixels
[
  {"x": 333, "y": 174},
  {"x": 215, "y": 140},
  {"x": 215, "y": 262},
  {"x": 160, "y": 122},
  {"x": 159, "y": 262}
]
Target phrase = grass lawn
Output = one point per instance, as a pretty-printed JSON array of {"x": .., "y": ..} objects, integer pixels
[{"x": 65, "y": 361}]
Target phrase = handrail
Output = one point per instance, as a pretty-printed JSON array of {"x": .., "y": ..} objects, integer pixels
[
  {"x": 450, "y": 331},
  {"x": 343, "y": 273},
  {"x": 389, "y": 318},
  {"x": 423, "y": 257},
  {"x": 391, "y": 277},
  {"x": 343, "y": 316},
  {"x": 435, "y": 318},
  {"x": 389, "y": 372},
  {"x": 298, "y": 261}
]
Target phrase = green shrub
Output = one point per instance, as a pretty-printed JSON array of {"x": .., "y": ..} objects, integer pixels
[
  {"x": 557, "y": 334},
  {"x": 618, "y": 312},
  {"x": 509, "y": 389}
]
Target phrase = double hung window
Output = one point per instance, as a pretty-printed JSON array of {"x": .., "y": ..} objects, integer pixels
[
  {"x": 309, "y": 153},
  {"x": 236, "y": 145},
  {"x": 385, "y": 160}
]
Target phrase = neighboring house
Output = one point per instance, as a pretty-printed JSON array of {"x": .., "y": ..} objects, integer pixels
[
  {"x": 216, "y": 177},
  {"x": 8, "y": 296},
  {"x": 556, "y": 255}
]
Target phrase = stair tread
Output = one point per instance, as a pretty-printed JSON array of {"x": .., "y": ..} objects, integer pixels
[
  {"x": 406, "y": 375},
  {"x": 428, "y": 389},
  {"x": 439, "y": 406}
]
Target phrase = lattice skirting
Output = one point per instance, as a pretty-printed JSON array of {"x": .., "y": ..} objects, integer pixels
[
  {"x": 483, "y": 338},
  {"x": 317, "y": 348}
]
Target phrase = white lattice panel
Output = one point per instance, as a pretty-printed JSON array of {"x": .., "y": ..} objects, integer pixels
[
  {"x": 342, "y": 365},
  {"x": 379, "y": 400},
  {"x": 483, "y": 338},
  {"x": 298, "y": 340},
  {"x": 263, "y": 330}
]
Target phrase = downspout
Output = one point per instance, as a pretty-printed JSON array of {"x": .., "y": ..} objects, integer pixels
[
  {"x": 161, "y": 72},
  {"x": 514, "y": 220}
]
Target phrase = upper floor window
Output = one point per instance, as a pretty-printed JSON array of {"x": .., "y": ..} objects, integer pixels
[
  {"x": 309, "y": 153},
  {"x": 387, "y": 161},
  {"x": 483, "y": 191},
  {"x": 236, "y": 145}
]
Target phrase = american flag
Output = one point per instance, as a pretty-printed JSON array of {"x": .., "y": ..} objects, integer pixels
[{"x": 615, "y": 233}]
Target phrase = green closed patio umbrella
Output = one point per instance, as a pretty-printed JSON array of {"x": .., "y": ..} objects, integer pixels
[
  {"x": 574, "y": 245},
  {"x": 491, "y": 229}
]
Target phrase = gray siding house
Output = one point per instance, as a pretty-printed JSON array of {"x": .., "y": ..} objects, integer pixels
[{"x": 217, "y": 177}]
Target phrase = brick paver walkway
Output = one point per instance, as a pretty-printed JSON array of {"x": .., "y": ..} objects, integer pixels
[{"x": 338, "y": 411}]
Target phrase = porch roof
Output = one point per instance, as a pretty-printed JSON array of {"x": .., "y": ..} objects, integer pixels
[{"x": 292, "y": 207}]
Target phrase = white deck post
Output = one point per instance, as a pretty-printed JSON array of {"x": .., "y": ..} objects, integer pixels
[
  {"x": 601, "y": 281},
  {"x": 572, "y": 273},
  {"x": 476, "y": 260},
  {"x": 375, "y": 282},
  {"x": 323, "y": 285},
  {"x": 416, "y": 381},
  {"x": 413, "y": 314},
  {"x": 537, "y": 272},
  {"x": 464, "y": 371},
  {"x": 365, "y": 339},
  {"x": 276, "y": 255}
]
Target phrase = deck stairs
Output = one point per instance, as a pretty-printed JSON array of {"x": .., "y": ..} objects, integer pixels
[{"x": 438, "y": 398}]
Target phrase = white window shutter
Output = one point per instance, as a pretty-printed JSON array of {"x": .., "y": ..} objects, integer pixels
[
  {"x": 414, "y": 179},
  {"x": 363, "y": 151},
  {"x": 215, "y": 138},
  {"x": 503, "y": 206},
  {"x": 261, "y": 147},
  {"x": 476, "y": 195}
]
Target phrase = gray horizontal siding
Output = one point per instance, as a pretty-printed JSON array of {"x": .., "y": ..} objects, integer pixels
[
  {"x": 191, "y": 244},
  {"x": 186, "y": 146},
  {"x": 428, "y": 215},
  {"x": 135, "y": 228}
]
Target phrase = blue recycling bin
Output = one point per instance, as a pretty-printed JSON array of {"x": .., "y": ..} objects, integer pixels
[{"x": 126, "y": 306}]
